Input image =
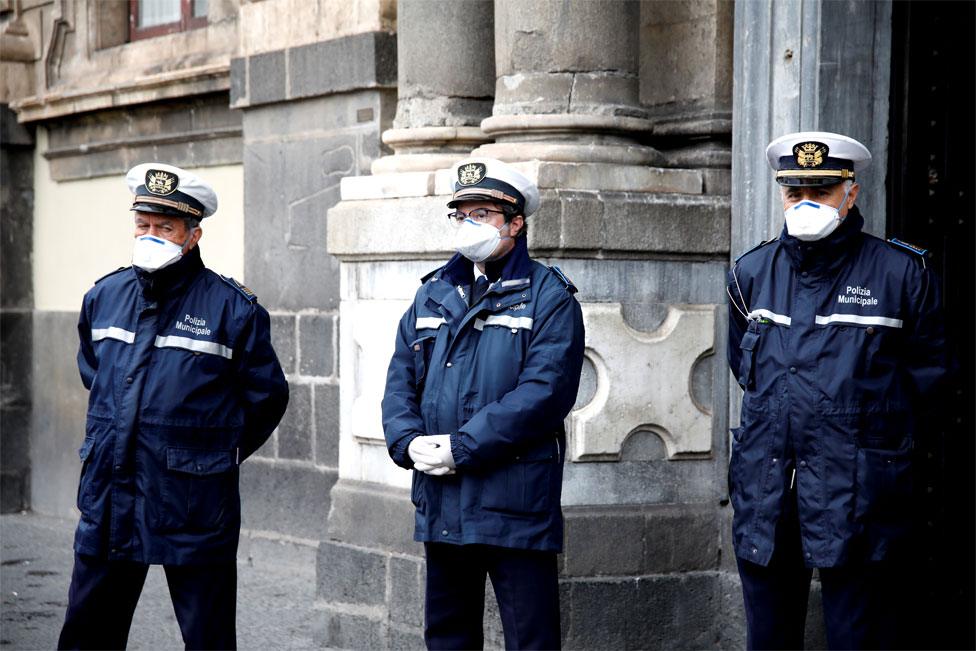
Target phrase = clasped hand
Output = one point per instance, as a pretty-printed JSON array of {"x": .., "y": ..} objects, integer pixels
[{"x": 432, "y": 454}]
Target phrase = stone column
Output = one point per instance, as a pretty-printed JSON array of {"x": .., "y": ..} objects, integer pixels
[
  {"x": 686, "y": 84},
  {"x": 567, "y": 86},
  {"x": 445, "y": 72}
]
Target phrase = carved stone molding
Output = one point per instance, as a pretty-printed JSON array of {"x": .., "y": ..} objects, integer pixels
[{"x": 643, "y": 383}]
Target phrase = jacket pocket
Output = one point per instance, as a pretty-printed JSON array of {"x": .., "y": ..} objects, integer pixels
[
  {"x": 417, "y": 491},
  {"x": 422, "y": 349},
  {"x": 748, "y": 345},
  {"x": 199, "y": 490},
  {"x": 96, "y": 466},
  {"x": 84, "y": 482},
  {"x": 524, "y": 486},
  {"x": 734, "y": 457},
  {"x": 883, "y": 488}
]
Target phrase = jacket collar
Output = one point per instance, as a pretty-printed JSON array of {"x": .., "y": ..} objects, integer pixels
[
  {"x": 517, "y": 265},
  {"x": 172, "y": 279},
  {"x": 829, "y": 253}
]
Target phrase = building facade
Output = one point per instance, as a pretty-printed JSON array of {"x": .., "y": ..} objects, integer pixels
[{"x": 326, "y": 127}]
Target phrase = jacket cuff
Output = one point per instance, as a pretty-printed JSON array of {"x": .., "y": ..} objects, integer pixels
[
  {"x": 399, "y": 452},
  {"x": 462, "y": 457}
]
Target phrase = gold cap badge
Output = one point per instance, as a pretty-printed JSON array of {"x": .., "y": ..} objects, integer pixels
[
  {"x": 161, "y": 182},
  {"x": 471, "y": 173},
  {"x": 810, "y": 154}
]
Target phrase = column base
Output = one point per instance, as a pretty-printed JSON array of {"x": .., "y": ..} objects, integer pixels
[
  {"x": 424, "y": 149},
  {"x": 569, "y": 138}
]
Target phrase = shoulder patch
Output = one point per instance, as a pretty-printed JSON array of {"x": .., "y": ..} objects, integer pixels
[
  {"x": 243, "y": 290},
  {"x": 564, "y": 278},
  {"x": 111, "y": 273},
  {"x": 894, "y": 241},
  {"x": 758, "y": 246}
]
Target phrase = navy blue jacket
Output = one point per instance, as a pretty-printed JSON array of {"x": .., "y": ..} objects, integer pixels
[
  {"x": 841, "y": 339},
  {"x": 184, "y": 385},
  {"x": 499, "y": 377}
]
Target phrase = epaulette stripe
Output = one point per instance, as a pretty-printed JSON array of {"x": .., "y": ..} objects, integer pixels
[
  {"x": 564, "y": 278},
  {"x": 758, "y": 246},
  {"x": 243, "y": 290},
  {"x": 908, "y": 246}
]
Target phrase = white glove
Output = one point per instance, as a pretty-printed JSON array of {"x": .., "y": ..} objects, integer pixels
[{"x": 432, "y": 454}]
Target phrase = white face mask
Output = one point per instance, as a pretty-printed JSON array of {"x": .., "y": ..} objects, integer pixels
[
  {"x": 810, "y": 221},
  {"x": 476, "y": 241},
  {"x": 154, "y": 253}
]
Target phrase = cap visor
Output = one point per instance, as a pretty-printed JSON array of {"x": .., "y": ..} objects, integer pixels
[
  {"x": 475, "y": 196},
  {"x": 160, "y": 210}
]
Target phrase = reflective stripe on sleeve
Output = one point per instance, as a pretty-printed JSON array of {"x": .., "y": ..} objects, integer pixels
[
  {"x": 505, "y": 321},
  {"x": 196, "y": 345},
  {"x": 427, "y": 322},
  {"x": 772, "y": 316},
  {"x": 859, "y": 320},
  {"x": 113, "y": 333}
]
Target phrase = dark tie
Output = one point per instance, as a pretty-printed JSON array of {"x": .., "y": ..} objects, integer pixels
[{"x": 479, "y": 289}]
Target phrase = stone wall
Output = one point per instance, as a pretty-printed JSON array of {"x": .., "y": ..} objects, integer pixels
[{"x": 306, "y": 125}]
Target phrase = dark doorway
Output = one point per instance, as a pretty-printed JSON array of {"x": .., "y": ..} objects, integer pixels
[{"x": 931, "y": 186}]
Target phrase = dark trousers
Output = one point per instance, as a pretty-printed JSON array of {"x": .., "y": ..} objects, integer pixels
[
  {"x": 526, "y": 586},
  {"x": 103, "y": 596},
  {"x": 859, "y": 600}
]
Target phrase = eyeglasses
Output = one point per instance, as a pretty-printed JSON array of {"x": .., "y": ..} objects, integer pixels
[{"x": 478, "y": 214}]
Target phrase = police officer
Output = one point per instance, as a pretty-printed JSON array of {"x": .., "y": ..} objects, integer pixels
[
  {"x": 835, "y": 336},
  {"x": 486, "y": 367},
  {"x": 184, "y": 385}
]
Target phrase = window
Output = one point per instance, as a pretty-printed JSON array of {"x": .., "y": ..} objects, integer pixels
[{"x": 148, "y": 18}]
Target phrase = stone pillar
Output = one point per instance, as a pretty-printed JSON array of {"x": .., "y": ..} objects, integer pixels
[
  {"x": 567, "y": 84},
  {"x": 445, "y": 73},
  {"x": 16, "y": 309}
]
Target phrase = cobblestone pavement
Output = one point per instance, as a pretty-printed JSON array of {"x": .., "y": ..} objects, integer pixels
[{"x": 275, "y": 605}]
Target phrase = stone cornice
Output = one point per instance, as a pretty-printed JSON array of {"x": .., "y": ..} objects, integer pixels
[
  {"x": 167, "y": 85},
  {"x": 198, "y": 135}
]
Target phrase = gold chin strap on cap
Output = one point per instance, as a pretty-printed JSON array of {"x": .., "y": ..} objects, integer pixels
[
  {"x": 844, "y": 174},
  {"x": 169, "y": 203}
]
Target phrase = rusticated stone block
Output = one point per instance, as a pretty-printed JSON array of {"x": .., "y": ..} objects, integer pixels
[
  {"x": 407, "y": 581},
  {"x": 295, "y": 429},
  {"x": 341, "y": 630},
  {"x": 316, "y": 344},
  {"x": 326, "y": 424},
  {"x": 266, "y": 77},
  {"x": 270, "y": 491},
  {"x": 351, "y": 575},
  {"x": 283, "y": 341},
  {"x": 603, "y": 542}
]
